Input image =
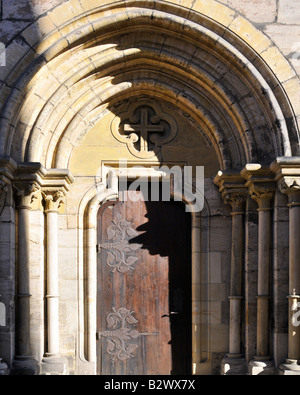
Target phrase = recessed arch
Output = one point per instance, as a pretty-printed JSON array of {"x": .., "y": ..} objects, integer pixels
[
  {"x": 98, "y": 53},
  {"x": 88, "y": 208},
  {"x": 233, "y": 102}
]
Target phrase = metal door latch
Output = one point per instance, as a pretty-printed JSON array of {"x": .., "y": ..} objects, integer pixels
[{"x": 171, "y": 313}]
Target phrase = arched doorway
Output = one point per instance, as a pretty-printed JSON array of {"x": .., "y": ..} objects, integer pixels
[
  {"x": 220, "y": 81},
  {"x": 144, "y": 287}
]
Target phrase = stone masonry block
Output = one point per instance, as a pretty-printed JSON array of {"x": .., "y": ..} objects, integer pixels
[
  {"x": 214, "y": 10},
  {"x": 66, "y": 12},
  {"x": 10, "y": 29},
  {"x": 287, "y": 38},
  {"x": 17, "y": 9},
  {"x": 34, "y": 33},
  {"x": 255, "y": 10},
  {"x": 289, "y": 11},
  {"x": 280, "y": 66}
]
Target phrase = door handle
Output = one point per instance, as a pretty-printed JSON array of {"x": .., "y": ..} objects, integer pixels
[{"x": 171, "y": 313}]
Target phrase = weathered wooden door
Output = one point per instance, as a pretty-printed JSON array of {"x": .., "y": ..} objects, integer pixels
[{"x": 144, "y": 288}]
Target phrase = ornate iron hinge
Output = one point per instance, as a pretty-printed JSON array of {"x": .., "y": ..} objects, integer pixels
[
  {"x": 121, "y": 254},
  {"x": 121, "y": 334}
]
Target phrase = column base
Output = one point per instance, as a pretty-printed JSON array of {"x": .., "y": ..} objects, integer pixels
[
  {"x": 289, "y": 368},
  {"x": 54, "y": 365},
  {"x": 262, "y": 366},
  {"x": 4, "y": 371},
  {"x": 25, "y": 366},
  {"x": 234, "y": 364}
]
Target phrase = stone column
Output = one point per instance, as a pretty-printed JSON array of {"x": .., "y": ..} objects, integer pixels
[
  {"x": 234, "y": 193},
  {"x": 287, "y": 174},
  {"x": 262, "y": 188},
  {"x": 196, "y": 297},
  {"x": 3, "y": 319},
  {"x": 53, "y": 362},
  {"x": 293, "y": 191},
  {"x": 237, "y": 202},
  {"x": 292, "y": 363},
  {"x": 26, "y": 194}
]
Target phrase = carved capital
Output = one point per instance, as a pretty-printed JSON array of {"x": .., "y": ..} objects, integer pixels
[
  {"x": 236, "y": 199},
  {"x": 27, "y": 194},
  {"x": 261, "y": 184},
  {"x": 54, "y": 198},
  {"x": 262, "y": 194},
  {"x": 4, "y": 192},
  {"x": 4, "y": 185},
  {"x": 7, "y": 170},
  {"x": 289, "y": 185},
  {"x": 287, "y": 175},
  {"x": 234, "y": 192}
]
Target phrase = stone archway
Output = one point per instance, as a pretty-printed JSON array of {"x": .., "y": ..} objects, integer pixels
[
  {"x": 185, "y": 68},
  {"x": 218, "y": 73}
]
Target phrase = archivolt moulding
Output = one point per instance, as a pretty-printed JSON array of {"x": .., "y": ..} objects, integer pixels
[{"x": 210, "y": 26}]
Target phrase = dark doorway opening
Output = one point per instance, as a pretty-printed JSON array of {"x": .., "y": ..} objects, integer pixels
[{"x": 155, "y": 287}]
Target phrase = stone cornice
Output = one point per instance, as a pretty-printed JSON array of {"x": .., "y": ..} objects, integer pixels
[
  {"x": 59, "y": 178},
  {"x": 34, "y": 172}
]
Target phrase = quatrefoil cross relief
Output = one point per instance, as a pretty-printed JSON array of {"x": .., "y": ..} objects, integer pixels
[{"x": 144, "y": 128}]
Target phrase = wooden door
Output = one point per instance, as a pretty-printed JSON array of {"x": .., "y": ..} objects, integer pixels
[{"x": 144, "y": 288}]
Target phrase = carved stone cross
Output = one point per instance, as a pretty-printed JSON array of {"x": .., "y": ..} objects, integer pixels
[{"x": 144, "y": 128}]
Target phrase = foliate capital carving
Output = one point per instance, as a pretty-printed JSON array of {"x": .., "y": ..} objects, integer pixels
[
  {"x": 4, "y": 185},
  {"x": 289, "y": 185},
  {"x": 261, "y": 184},
  {"x": 287, "y": 175},
  {"x": 233, "y": 190},
  {"x": 262, "y": 194},
  {"x": 236, "y": 199},
  {"x": 54, "y": 198},
  {"x": 4, "y": 191},
  {"x": 27, "y": 194}
]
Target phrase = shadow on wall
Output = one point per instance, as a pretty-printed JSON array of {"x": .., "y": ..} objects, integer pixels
[
  {"x": 167, "y": 233},
  {"x": 15, "y": 17}
]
